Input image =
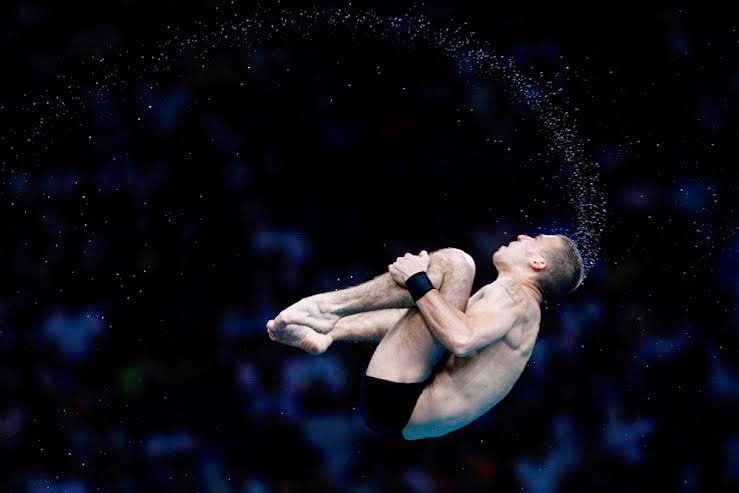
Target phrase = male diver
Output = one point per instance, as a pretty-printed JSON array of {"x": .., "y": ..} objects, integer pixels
[{"x": 444, "y": 358}]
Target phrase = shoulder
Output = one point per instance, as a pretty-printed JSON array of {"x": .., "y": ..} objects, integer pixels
[
  {"x": 506, "y": 294},
  {"x": 507, "y": 297},
  {"x": 513, "y": 291}
]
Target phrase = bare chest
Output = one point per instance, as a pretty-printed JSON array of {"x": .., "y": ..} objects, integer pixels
[{"x": 508, "y": 356}]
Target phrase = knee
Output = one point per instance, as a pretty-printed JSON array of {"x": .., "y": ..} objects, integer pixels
[{"x": 457, "y": 261}]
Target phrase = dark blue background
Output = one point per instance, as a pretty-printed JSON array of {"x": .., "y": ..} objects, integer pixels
[{"x": 143, "y": 249}]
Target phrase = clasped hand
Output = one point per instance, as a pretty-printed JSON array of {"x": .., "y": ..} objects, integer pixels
[{"x": 404, "y": 267}]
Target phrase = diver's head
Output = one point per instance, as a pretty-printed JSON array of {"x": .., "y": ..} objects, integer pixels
[{"x": 552, "y": 263}]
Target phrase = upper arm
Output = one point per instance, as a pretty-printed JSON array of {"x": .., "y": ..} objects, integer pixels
[{"x": 487, "y": 325}]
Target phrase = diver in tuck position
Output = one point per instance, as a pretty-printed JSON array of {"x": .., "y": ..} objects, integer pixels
[{"x": 444, "y": 358}]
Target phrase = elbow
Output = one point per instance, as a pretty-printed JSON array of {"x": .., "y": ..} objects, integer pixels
[
  {"x": 462, "y": 349},
  {"x": 462, "y": 352}
]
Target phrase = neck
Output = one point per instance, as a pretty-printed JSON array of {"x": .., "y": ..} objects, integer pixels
[{"x": 528, "y": 285}]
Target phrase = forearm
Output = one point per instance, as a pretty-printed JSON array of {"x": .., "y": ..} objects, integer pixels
[{"x": 445, "y": 322}]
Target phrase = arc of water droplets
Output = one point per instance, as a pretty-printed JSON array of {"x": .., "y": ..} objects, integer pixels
[{"x": 472, "y": 55}]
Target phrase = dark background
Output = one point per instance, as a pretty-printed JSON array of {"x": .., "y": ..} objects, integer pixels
[{"x": 157, "y": 211}]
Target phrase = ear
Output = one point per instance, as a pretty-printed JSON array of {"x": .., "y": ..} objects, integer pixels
[{"x": 538, "y": 263}]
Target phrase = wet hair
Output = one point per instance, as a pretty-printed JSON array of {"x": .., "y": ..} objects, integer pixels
[{"x": 565, "y": 269}]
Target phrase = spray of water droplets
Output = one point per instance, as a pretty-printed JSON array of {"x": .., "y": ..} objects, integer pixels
[{"x": 470, "y": 55}]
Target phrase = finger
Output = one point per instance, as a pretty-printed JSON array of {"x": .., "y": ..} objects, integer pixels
[{"x": 424, "y": 253}]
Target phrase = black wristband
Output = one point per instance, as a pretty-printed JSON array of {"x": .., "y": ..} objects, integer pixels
[{"x": 418, "y": 285}]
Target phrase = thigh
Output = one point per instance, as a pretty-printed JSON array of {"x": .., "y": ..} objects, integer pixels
[{"x": 409, "y": 352}]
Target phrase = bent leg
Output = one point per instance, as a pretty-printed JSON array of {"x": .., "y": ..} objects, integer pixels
[
  {"x": 409, "y": 352},
  {"x": 359, "y": 327},
  {"x": 322, "y": 311},
  {"x": 407, "y": 355},
  {"x": 367, "y": 326},
  {"x": 308, "y": 323}
]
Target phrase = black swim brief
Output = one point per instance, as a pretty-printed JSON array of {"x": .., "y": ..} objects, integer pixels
[{"x": 387, "y": 406}]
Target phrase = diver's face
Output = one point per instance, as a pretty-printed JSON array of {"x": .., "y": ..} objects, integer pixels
[
  {"x": 519, "y": 252},
  {"x": 514, "y": 249}
]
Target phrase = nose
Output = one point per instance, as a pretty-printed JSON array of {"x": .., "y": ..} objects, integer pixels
[{"x": 523, "y": 237}]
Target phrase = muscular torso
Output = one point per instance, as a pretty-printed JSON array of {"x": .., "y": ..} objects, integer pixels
[{"x": 466, "y": 388}]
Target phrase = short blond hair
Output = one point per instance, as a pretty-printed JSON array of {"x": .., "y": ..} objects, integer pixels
[{"x": 565, "y": 269}]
